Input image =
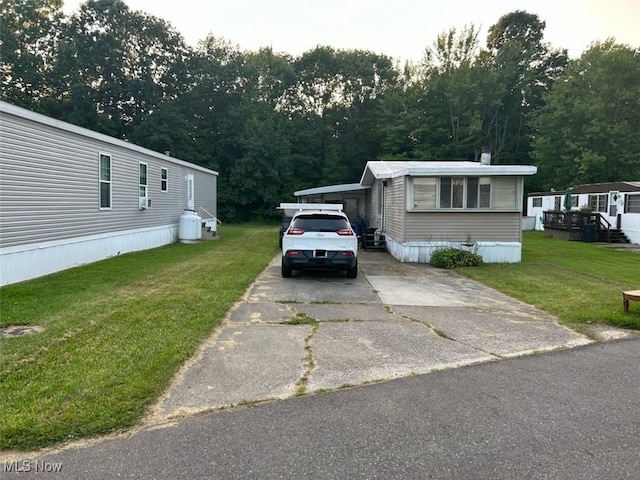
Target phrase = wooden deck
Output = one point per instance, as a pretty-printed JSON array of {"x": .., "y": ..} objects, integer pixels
[{"x": 581, "y": 227}]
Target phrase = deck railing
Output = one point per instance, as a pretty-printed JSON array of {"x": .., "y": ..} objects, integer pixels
[{"x": 574, "y": 222}]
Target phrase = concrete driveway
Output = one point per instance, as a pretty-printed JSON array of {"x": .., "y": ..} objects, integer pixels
[{"x": 319, "y": 330}]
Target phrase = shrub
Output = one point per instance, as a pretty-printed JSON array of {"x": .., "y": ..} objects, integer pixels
[{"x": 455, "y": 257}]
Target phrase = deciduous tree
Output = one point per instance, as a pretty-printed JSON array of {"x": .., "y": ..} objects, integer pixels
[{"x": 588, "y": 130}]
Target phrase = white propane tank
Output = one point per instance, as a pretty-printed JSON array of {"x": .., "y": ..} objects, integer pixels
[{"x": 190, "y": 228}]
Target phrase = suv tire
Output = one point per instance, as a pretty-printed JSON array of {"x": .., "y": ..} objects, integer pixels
[
  {"x": 353, "y": 272},
  {"x": 286, "y": 271}
]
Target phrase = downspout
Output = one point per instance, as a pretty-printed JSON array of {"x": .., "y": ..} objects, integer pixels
[{"x": 383, "y": 210}]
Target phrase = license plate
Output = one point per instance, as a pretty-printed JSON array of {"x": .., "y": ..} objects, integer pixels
[{"x": 320, "y": 253}]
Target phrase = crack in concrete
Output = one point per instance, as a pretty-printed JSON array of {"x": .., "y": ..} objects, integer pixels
[
  {"x": 445, "y": 336},
  {"x": 301, "y": 384}
]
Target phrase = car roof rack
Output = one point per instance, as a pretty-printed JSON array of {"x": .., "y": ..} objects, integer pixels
[{"x": 291, "y": 208}]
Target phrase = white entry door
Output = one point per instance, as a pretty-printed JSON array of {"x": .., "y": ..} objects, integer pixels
[
  {"x": 613, "y": 203},
  {"x": 191, "y": 202}
]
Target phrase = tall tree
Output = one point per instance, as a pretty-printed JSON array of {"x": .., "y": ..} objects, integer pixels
[
  {"x": 336, "y": 96},
  {"x": 452, "y": 96},
  {"x": 588, "y": 130},
  {"x": 525, "y": 69},
  {"x": 126, "y": 62},
  {"x": 257, "y": 177},
  {"x": 29, "y": 32}
]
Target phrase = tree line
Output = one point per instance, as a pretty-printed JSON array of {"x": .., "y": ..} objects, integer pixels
[{"x": 272, "y": 123}]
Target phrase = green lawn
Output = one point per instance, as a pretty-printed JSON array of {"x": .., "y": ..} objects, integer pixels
[
  {"x": 578, "y": 282},
  {"x": 115, "y": 332}
]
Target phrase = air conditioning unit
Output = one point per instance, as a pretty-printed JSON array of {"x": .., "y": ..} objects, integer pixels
[{"x": 144, "y": 203}]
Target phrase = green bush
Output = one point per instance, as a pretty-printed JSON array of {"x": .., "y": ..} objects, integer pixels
[{"x": 454, "y": 258}]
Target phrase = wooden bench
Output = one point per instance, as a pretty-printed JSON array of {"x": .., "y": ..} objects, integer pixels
[{"x": 633, "y": 295}]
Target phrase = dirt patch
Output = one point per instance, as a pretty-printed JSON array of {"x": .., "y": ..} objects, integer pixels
[
  {"x": 606, "y": 332},
  {"x": 19, "y": 330}
]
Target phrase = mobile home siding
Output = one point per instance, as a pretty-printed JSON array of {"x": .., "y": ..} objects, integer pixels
[
  {"x": 373, "y": 215},
  {"x": 50, "y": 185},
  {"x": 395, "y": 210},
  {"x": 462, "y": 226},
  {"x": 50, "y": 215}
]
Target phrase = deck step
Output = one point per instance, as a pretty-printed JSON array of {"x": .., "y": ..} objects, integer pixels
[{"x": 617, "y": 236}]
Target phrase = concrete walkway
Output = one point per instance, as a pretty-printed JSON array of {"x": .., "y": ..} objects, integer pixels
[{"x": 319, "y": 330}]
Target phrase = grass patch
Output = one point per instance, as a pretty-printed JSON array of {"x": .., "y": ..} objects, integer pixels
[
  {"x": 578, "y": 282},
  {"x": 301, "y": 318},
  {"x": 115, "y": 332}
]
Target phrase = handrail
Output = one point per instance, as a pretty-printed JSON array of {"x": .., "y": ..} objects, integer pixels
[
  {"x": 218, "y": 222},
  {"x": 606, "y": 227}
]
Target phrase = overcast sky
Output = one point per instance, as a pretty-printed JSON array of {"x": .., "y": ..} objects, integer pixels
[{"x": 399, "y": 28}]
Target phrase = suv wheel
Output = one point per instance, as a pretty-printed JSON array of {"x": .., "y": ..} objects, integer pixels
[
  {"x": 353, "y": 272},
  {"x": 286, "y": 271}
]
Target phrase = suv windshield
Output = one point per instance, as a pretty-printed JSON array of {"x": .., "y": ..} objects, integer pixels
[{"x": 320, "y": 223}]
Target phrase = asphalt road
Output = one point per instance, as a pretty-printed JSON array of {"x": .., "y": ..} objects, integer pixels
[{"x": 571, "y": 414}]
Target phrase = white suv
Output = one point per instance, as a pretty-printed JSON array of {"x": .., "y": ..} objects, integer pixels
[{"x": 320, "y": 238}]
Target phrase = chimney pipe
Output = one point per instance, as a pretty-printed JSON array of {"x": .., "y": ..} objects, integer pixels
[{"x": 485, "y": 157}]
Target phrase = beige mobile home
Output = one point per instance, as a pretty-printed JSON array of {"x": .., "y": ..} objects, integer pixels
[{"x": 418, "y": 207}]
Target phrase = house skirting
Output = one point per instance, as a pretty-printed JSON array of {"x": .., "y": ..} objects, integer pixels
[
  {"x": 35, "y": 260},
  {"x": 420, "y": 252},
  {"x": 633, "y": 234}
]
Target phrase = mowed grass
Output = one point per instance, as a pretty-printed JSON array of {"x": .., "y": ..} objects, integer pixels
[
  {"x": 578, "y": 282},
  {"x": 115, "y": 333}
]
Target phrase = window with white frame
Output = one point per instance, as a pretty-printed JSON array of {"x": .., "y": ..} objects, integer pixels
[
  {"x": 598, "y": 202},
  {"x": 451, "y": 192},
  {"x": 164, "y": 179},
  {"x": 574, "y": 201},
  {"x": 632, "y": 203},
  {"x": 424, "y": 192},
  {"x": 504, "y": 192},
  {"x": 537, "y": 202},
  {"x": 478, "y": 192},
  {"x": 104, "y": 181},
  {"x": 143, "y": 179},
  {"x": 462, "y": 193}
]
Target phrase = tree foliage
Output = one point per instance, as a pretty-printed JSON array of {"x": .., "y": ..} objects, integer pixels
[
  {"x": 587, "y": 131},
  {"x": 29, "y": 32},
  {"x": 271, "y": 123}
]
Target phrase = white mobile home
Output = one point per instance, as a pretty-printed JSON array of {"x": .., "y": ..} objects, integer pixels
[
  {"x": 417, "y": 207},
  {"x": 70, "y": 196},
  {"x": 618, "y": 203}
]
